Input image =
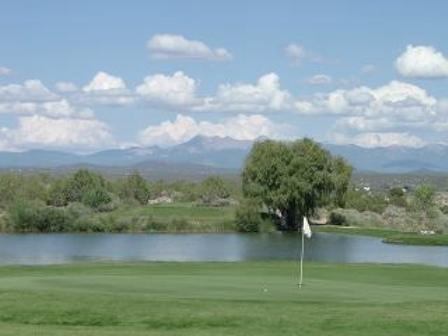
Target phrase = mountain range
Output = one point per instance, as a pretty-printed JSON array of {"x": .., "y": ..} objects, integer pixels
[{"x": 224, "y": 155}]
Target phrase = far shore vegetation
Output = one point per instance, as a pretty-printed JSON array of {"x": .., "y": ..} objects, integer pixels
[{"x": 280, "y": 183}]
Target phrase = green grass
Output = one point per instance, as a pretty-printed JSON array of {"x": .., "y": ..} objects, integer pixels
[
  {"x": 390, "y": 236},
  {"x": 176, "y": 217},
  {"x": 417, "y": 239},
  {"x": 223, "y": 299}
]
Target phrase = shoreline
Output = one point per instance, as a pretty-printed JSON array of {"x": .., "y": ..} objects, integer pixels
[{"x": 388, "y": 236}]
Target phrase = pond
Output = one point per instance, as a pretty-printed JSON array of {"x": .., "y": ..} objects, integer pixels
[{"x": 33, "y": 249}]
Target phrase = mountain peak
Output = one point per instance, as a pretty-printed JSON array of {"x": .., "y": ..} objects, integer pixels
[{"x": 201, "y": 142}]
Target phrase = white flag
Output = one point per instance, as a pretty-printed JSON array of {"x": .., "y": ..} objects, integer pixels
[{"x": 306, "y": 228}]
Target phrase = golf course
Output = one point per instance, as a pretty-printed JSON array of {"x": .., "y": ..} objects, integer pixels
[{"x": 248, "y": 298}]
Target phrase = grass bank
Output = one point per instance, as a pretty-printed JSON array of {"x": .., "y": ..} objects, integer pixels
[
  {"x": 389, "y": 236},
  {"x": 173, "y": 217},
  {"x": 259, "y": 298}
]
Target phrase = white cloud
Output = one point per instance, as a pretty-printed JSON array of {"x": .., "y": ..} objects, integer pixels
[
  {"x": 104, "y": 82},
  {"x": 32, "y": 97},
  {"x": 297, "y": 54},
  {"x": 31, "y": 90},
  {"x": 361, "y": 123},
  {"x": 38, "y": 131},
  {"x": 379, "y": 116},
  {"x": 66, "y": 87},
  {"x": 106, "y": 89},
  {"x": 422, "y": 62},
  {"x": 319, "y": 79},
  {"x": 386, "y": 139},
  {"x": 165, "y": 46},
  {"x": 240, "y": 127},
  {"x": 265, "y": 96},
  {"x": 178, "y": 89},
  {"x": 403, "y": 101},
  {"x": 4, "y": 71}
]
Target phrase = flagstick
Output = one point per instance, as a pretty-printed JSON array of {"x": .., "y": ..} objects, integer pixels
[{"x": 301, "y": 260}]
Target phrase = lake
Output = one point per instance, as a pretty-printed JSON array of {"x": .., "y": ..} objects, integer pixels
[{"x": 40, "y": 249}]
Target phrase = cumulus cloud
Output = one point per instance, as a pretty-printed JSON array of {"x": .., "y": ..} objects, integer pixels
[
  {"x": 166, "y": 46},
  {"x": 386, "y": 139},
  {"x": 32, "y": 97},
  {"x": 31, "y": 90},
  {"x": 178, "y": 89},
  {"x": 264, "y": 96},
  {"x": 422, "y": 62},
  {"x": 297, "y": 54},
  {"x": 319, "y": 79},
  {"x": 104, "y": 82},
  {"x": 396, "y": 100},
  {"x": 106, "y": 89},
  {"x": 38, "y": 131},
  {"x": 184, "y": 128},
  {"x": 4, "y": 71},
  {"x": 378, "y": 116}
]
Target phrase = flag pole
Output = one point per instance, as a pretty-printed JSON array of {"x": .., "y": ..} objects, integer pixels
[{"x": 302, "y": 252}]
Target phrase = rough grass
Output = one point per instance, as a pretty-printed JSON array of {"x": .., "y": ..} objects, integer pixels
[
  {"x": 223, "y": 299},
  {"x": 175, "y": 217},
  {"x": 390, "y": 236}
]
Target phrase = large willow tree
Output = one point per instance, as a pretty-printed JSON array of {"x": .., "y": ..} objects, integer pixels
[{"x": 294, "y": 178}]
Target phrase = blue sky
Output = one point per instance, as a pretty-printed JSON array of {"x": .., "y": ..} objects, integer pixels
[{"x": 72, "y": 74}]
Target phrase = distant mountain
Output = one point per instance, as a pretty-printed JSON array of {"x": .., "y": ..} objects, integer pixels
[
  {"x": 150, "y": 169},
  {"x": 227, "y": 154},
  {"x": 395, "y": 158},
  {"x": 36, "y": 158}
]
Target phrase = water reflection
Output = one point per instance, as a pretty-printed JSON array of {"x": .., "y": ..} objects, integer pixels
[{"x": 62, "y": 248}]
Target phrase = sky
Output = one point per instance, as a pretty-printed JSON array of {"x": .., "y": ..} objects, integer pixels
[{"x": 90, "y": 75}]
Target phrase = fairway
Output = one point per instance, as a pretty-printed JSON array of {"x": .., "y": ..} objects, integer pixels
[{"x": 256, "y": 298}]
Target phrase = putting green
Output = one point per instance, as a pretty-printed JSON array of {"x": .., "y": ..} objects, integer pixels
[{"x": 256, "y": 298}]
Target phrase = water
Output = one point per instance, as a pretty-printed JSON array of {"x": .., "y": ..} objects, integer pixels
[{"x": 37, "y": 249}]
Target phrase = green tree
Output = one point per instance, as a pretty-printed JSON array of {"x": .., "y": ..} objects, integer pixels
[
  {"x": 58, "y": 195},
  {"x": 424, "y": 206},
  {"x": 397, "y": 196},
  {"x": 295, "y": 178},
  {"x": 83, "y": 186},
  {"x": 134, "y": 187},
  {"x": 424, "y": 197},
  {"x": 9, "y": 185},
  {"x": 214, "y": 187},
  {"x": 81, "y": 182},
  {"x": 95, "y": 198},
  {"x": 248, "y": 217}
]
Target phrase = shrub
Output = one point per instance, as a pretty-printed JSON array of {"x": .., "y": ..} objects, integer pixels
[
  {"x": 29, "y": 217},
  {"x": 444, "y": 209},
  {"x": 337, "y": 219},
  {"x": 96, "y": 198},
  {"x": 248, "y": 217},
  {"x": 213, "y": 187},
  {"x": 134, "y": 188},
  {"x": 365, "y": 201}
]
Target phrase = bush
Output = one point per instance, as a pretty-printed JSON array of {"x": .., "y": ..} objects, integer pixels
[
  {"x": 29, "y": 217},
  {"x": 134, "y": 188},
  {"x": 248, "y": 217},
  {"x": 365, "y": 201},
  {"x": 353, "y": 217},
  {"x": 444, "y": 209},
  {"x": 96, "y": 198},
  {"x": 337, "y": 219}
]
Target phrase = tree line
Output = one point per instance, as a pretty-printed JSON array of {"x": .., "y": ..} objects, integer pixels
[{"x": 280, "y": 183}]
